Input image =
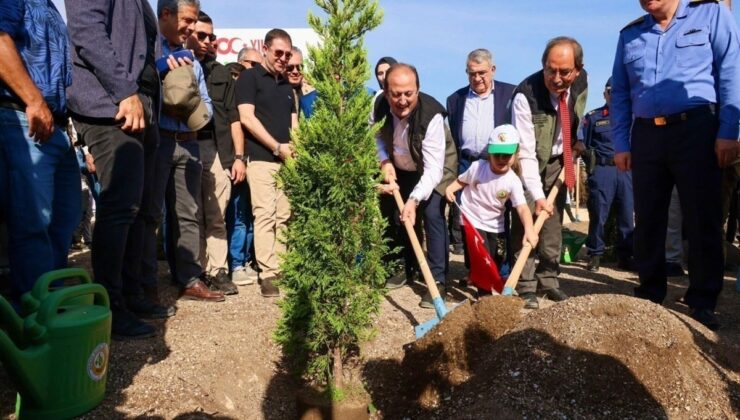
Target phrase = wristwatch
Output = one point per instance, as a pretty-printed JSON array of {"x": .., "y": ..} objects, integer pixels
[
  {"x": 239, "y": 157},
  {"x": 276, "y": 152}
]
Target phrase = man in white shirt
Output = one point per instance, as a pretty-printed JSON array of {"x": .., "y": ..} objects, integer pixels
[
  {"x": 419, "y": 159},
  {"x": 537, "y": 114},
  {"x": 473, "y": 111}
]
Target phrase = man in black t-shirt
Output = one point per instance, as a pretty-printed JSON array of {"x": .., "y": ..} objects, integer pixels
[{"x": 267, "y": 112}]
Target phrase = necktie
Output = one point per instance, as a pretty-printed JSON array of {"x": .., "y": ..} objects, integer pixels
[{"x": 564, "y": 115}]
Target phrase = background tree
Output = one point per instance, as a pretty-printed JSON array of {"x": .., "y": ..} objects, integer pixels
[{"x": 333, "y": 274}]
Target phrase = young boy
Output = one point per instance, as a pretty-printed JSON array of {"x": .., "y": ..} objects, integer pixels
[{"x": 490, "y": 183}]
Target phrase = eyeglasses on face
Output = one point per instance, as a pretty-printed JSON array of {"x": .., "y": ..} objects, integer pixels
[
  {"x": 294, "y": 67},
  {"x": 203, "y": 35},
  {"x": 474, "y": 74},
  {"x": 250, "y": 62},
  {"x": 563, "y": 73},
  {"x": 284, "y": 54}
]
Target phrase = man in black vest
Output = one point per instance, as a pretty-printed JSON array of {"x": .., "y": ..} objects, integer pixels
[
  {"x": 546, "y": 147},
  {"x": 474, "y": 111},
  {"x": 417, "y": 158}
]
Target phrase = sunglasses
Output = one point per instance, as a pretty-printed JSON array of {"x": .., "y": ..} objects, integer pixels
[
  {"x": 281, "y": 53},
  {"x": 291, "y": 67},
  {"x": 501, "y": 156},
  {"x": 203, "y": 35},
  {"x": 251, "y": 62}
]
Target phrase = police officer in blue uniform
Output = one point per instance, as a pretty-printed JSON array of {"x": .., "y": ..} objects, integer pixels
[
  {"x": 677, "y": 71},
  {"x": 606, "y": 185}
]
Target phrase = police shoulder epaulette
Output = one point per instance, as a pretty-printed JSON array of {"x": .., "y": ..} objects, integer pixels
[
  {"x": 698, "y": 2},
  {"x": 634, "y": 22}
]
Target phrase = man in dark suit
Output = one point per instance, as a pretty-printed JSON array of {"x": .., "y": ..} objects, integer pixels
[
  {"x": 113, "y": 101},
  {"x": 473, "y": 111}
]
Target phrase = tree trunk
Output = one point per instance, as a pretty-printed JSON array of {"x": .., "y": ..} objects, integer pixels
[{"x": 337, "y": 369}]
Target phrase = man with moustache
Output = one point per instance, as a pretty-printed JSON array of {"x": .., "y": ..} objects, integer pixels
[
  {"x": 416, "y": 158},
  {"x": 675, "y": 114},
  {"x": 546, "y": 110}
]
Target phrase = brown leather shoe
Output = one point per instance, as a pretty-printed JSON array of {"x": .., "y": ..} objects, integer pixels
[
  {"x": 199, "y": 291},
  {"x": 267, "y": 288}
]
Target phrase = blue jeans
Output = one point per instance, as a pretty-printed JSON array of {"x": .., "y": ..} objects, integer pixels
[
  {"x": 240, "y": 226},
  {"x": 39, "y": 199}
]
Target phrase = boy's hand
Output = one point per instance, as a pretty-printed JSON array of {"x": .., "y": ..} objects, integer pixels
[
  {"x": 530, "y": 237},
  {"x": 450, "y": 195},
  {"x": 542, "y": 205}
]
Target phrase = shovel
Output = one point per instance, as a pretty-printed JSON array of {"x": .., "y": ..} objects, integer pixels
[
  {"x": 516, "y": 271},
  {"x": 439, "y": 303}
]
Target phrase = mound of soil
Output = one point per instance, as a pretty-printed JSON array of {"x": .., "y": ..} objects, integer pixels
[{"x": 592, "y": 356}]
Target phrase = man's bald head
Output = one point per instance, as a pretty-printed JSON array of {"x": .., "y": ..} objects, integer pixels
[{"x": 402, "y": 89}]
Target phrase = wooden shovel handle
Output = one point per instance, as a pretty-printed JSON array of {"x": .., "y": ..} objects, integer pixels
[
  {"x": 426, "y": 273},
  {"x": 516, "y": 271}
]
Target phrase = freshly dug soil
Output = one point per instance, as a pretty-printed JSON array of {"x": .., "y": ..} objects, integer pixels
[{"x": 607, "y": 356}]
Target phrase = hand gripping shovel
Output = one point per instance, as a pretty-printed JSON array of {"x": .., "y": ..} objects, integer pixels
[
  {"x": 516, "y": 271},
  {"x": 439, "y": 303}
]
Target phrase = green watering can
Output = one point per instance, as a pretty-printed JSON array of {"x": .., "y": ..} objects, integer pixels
[{"x": 58, "y": 355}]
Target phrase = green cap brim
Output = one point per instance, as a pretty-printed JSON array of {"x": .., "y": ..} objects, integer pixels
[{"x": 504, "y": 149}]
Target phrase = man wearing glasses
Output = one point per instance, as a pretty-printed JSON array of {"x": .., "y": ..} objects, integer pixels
[
  {"x": 546, "y": 110},
  {"x": 267, "y": 111},
  {"x": 249, "y": 57},
  {"x": 474, "y": 111},
  {"x": 217, "y": 156},
  {"x": 606, "y": 185}
]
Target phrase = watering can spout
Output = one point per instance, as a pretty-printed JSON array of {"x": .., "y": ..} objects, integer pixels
[{"x": 24, "y": 366}]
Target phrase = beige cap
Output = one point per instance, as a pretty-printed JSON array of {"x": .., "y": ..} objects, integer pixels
[{"x": 181, "y": 98}]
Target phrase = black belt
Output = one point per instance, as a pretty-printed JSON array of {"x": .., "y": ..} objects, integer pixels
[
  {"x": 609, "y": 161},
  {"x": 678, "y": 117},
  {"x": 179, "y": 135},
  {"x": 206, "y": 135},
  {"x": 16, "y": 105}
]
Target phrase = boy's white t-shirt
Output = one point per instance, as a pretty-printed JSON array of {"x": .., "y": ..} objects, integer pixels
[{"x": 485, "y": 196}]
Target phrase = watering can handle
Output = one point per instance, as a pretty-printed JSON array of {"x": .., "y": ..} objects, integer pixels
[
  {"x": 41, "y": 288},
  {"x": 11, "y": 321},
  {"x": 51, "y": 304}
]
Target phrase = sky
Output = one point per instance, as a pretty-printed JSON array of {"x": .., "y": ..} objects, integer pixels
[{"x": 436, "y": 36}]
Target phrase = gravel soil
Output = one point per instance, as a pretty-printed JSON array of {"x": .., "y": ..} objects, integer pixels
[{"x": 601, "y": 354}]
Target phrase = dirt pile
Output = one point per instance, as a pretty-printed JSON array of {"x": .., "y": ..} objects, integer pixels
[{"x": 607, "y": 356}]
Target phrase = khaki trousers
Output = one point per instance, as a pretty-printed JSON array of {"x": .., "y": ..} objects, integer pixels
[
  {"x": 271, "y": 212},
  {"x": 215, "y": 194}
]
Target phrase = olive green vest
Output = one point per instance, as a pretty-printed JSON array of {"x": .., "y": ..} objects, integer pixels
[
  {"x": 419, "y": 120},
  {"x": 544, "y": 115}
]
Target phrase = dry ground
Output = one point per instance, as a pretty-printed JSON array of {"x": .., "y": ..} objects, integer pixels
[{"x": 219, "y": 361}]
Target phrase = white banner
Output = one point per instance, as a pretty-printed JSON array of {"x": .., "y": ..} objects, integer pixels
[{"x": 231, "y": 40}]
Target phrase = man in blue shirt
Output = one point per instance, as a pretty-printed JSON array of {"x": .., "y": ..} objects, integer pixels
[
  {"x": 39, "y": 176},
  {"x": 177, "y": 173},
  {"x": 676, "y": 72},
  {"x": 606, "y": 185}
]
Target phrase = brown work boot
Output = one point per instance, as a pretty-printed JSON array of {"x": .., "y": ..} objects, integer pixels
[{"x": 199, "y": 291}]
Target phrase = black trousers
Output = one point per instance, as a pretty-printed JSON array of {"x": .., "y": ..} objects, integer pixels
[
  {"x": 680, "y": 154},
  {"x": 125, "y": 166},
  {"x": 431, "y": 213}
]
